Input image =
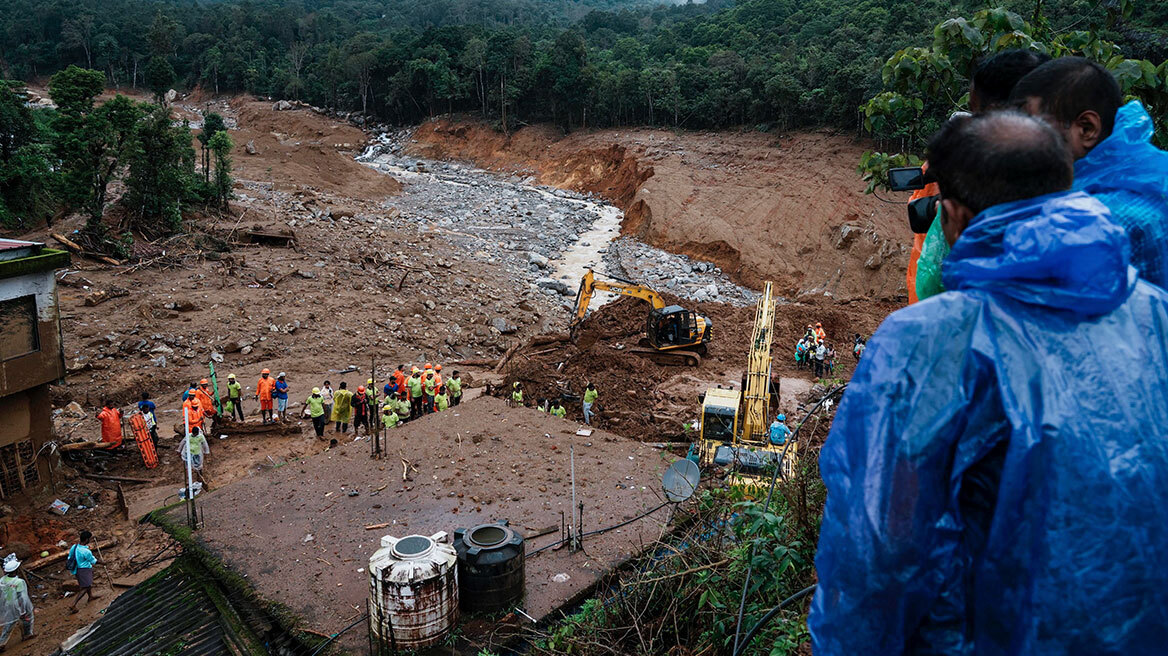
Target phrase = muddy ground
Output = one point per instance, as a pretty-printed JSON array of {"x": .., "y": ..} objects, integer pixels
[
  {"x": 298, "y": 533},
  {"x": 787, "y": 207},
  {"x": 391, "y": 265}
]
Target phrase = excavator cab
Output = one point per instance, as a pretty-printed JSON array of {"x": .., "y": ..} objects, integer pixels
[{"x": 674, "y": 327}]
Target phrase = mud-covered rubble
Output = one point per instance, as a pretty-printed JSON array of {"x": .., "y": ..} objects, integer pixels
[
  {"x": 534, "y": 229},
  {"x": 677, "y": 274}
]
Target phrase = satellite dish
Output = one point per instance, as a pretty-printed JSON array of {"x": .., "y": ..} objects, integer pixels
[{"x": 681, "y": 480}]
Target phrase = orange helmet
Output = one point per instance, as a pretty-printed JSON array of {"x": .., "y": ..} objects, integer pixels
[
  {"x": 818, "y": 325},
  {"x": 438, "y": 367},
  {"x": 204, "y": 382},
  {"x": 429, "y": 366},
  {"x": 266, "y": 371},
  {"x": 360, "y": 389}
]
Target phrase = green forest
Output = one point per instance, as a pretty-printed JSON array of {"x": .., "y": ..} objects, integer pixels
[
  {"x": 887, "y": 69},
  {"x": 782, "y": 63}
]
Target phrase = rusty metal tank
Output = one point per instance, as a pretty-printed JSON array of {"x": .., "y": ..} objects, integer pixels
[
  {"x": 491, "y": 565},
  {"x": 413, "y": 591}
]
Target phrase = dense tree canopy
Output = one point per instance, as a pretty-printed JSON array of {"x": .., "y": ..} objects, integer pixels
[{"x": 577, "y": 62}]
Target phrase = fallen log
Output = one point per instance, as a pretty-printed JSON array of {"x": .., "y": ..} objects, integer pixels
[
  {"x": 477, "y": 362},
  {"x": 374, "y": 527},
  {"x": 62, "y": 555},
  {"x": 120, "y": 479},
  {"x": 76, "y": 248},
  {"x": 537, "y": 340},
  {"x": 510, "y": 353},
  {"x": 99, "y": 297}
]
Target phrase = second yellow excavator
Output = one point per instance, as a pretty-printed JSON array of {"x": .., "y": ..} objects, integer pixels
[{"x": 673, "y": 334}]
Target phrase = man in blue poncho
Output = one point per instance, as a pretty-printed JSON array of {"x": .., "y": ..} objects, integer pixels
[
  {"x": 1114, "y": 158},
  {"x": 994, "y": 477}
]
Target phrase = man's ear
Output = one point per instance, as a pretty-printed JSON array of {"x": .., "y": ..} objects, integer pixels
[
  {"x": 1088, "y": 127},
  {"x": 955, "y": 217}
]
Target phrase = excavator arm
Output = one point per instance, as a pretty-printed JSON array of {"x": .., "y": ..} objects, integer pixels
[{"x": 589, "y": 285}]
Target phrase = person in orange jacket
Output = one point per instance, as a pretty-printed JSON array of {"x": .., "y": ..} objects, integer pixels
[
  {"x": 264, "y": 389},
  {"x": 820, "y": 333},
  {"x": 193, "y": 408},
  {"x": 111, "y": 425},
  {"x": 438, "y": 375},
  {"x": 206, "y": 402}
]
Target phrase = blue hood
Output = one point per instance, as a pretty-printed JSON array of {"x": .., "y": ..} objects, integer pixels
[
  {"x": 1126, "y": 158},
  {"x": 1060, "y": 251}
]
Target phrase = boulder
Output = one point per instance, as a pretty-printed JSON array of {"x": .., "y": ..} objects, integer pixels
[{"x": 557, "y": 286}]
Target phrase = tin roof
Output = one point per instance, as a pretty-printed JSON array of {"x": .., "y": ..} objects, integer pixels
[
  {"x": 170, "y": 613},
  {"x": 10, "y": 249}
]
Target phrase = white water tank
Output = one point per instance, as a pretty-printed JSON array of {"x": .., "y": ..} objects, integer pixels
[{"x": 413, "y": 591}]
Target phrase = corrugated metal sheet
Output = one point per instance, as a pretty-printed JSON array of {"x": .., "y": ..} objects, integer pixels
[{"x": 172, "y": 613}]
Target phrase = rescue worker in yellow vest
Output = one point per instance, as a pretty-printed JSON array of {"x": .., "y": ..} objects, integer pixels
[
  {"x": 430, "y": 387},
  {"x": 235, "y": 394},
  {"x": 441, "y": 400},
  {"x": 516, "y": 394},
  {"x": 389, "y": 418},
  {"x": 454, "y": 386},
  {"x": 558, "y": 409},
  {"x": 414, "y": 384},
  {"x": 314, "y": 408}
]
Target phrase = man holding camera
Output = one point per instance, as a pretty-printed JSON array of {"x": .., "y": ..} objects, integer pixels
[{"x": 990, "y": 474}]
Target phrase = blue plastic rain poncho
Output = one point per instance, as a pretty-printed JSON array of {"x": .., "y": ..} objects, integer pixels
[
  {"x": 1130, "y": 176},
  {"x": 997, "y": 469}
]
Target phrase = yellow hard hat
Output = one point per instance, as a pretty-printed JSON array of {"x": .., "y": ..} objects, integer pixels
[
  {"x": 316, "y": 390},
  {"x": 231, "y": 375},
  {"x": 369, "y": 382}
]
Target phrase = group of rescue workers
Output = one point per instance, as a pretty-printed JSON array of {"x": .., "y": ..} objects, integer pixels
[
  {"x": 402, "y": 398},
  {"x": 813, "y": 351}
]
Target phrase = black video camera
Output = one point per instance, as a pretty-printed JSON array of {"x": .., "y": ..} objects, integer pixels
[{"x": 921, "y": 211}]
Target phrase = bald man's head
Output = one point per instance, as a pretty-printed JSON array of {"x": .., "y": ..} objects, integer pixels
[{"x": 995, "y": 158}]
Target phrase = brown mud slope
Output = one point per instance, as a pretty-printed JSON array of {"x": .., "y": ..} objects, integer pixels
[
  {"x": 788, "y": 208},
  {"x": 297, "y": 148},
  {"x": 647, "y": 401}
]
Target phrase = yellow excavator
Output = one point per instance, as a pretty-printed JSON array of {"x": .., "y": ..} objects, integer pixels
[
  {"x": 673, "y": 334},
  {"x": 734, "y": 430}
]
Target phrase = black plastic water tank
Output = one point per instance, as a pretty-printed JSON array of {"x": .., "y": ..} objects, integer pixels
[{"x": 491, "y": 565}]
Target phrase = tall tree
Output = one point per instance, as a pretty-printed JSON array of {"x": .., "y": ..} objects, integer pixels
[
  {"x": 91, "y": 142},
  {"x": 221, "y": 184},
  {"x": 161, "y": 173},
  {"x": 25, "y": 174}
]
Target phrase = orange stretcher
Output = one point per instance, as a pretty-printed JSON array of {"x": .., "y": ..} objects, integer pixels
[{"x": 145, "y": 444}]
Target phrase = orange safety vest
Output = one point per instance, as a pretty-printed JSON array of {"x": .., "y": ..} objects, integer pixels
[
  {"x": 265, "y": 387},
  {"x": 111, "y": 426},
  {"x": 194, "y": 410},
  {"x": 207, "y": 403}
]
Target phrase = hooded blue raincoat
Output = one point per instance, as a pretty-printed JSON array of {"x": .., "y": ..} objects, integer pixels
[
  {"x": 997, "y": 469},
  {"x": 1130, "y": 176}
]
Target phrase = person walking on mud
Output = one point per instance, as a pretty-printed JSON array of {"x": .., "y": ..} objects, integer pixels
[
  {"x": 326, "y": 394},
  {"x": 15, "y": 605},
  {"x": 195, "y": 448},
  {"x": 360, "y": 412},
  {"x": 342, "y": 408},
  {"x": 264, "y": 388},
  {"x": 80, "y": 563},
  {"x": 235, "y": 395},
  {"x": 280, "y": 394},
  {"x": 590, "y": 396},
  {"x": 314, "y": 408}
]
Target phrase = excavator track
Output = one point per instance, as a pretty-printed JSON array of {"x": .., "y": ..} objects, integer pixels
[{"x": 677, "y": 358}]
